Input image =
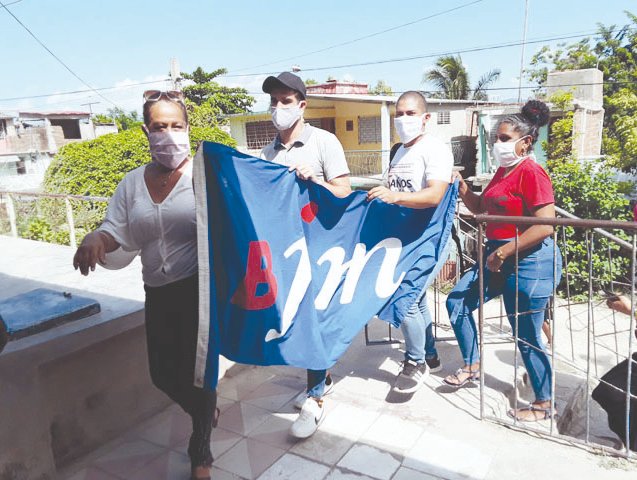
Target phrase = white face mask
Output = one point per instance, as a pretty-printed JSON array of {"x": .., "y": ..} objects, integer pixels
[
  {"x": 169, "y": 148},
  {"x": 408, "y": 127},
  {"x": 504, "y": 153},
  {"x": 285, "y": 118}
]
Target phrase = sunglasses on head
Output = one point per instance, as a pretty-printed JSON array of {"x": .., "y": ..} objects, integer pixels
[{"x": 155, "y": 95}]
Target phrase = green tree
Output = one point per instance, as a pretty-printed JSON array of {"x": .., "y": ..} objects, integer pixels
[
  {"x": 124, "y": 120},
  {"x": 94, "y": 168},
  {"x": 614, "y": 51},
  {"x": 310, "y": 81},
  {"x": 586, "y": 189},
  {"x": 451, "y": 79},
  {"x": 381, "y": 88},
  {"x": 216, "y": 100}
]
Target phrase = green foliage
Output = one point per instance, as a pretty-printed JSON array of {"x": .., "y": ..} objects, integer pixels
[
  {"x": 214, "y": 99},
  {"x": 451, "y": 79},
  {"x": 118, "y": 116},
  {"x": 381, "y": 88},
  {"x": 95, "y": 168},
  {"x": 588, "y": 190},
  {"x": 310, "y": 81},
  {"x": 614, "y": 51}
]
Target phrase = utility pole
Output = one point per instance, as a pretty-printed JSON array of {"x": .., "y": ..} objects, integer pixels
[
  {"x": 90, "y": 109},
  {"x": 526, "y": 17},
  {"x": 175, "y": 74}
]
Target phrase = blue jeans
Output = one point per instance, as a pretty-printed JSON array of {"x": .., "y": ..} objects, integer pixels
[
  {"x": 535, "y": 287},
  {"x": 316, "y": 383},
  {"x": 417, "y": 327}
]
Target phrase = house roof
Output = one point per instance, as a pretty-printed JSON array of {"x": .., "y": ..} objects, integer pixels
[
  {"x": 71, "y": 114},
  {"x": 366, "y": 98}
]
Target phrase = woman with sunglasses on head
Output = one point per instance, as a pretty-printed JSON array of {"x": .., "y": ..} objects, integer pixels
[
  {"x": 153, "y": 211},
  {"x": 520, "y": 187}
]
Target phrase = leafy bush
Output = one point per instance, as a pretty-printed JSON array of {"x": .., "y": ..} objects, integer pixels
[
  {"x": 95, "y": 168},
  {"x": 586, "y": 189}
]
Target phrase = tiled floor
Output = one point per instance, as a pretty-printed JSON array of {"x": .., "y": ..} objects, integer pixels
[{"x": 368, "y": 433}]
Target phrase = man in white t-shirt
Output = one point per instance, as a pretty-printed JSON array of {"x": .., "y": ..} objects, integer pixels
[
  {"x": 318, "y": 156},
  {"x": 418, "y": 176}
]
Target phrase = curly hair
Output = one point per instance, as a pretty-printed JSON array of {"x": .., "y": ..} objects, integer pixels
[{"x": 534, "y": 114}]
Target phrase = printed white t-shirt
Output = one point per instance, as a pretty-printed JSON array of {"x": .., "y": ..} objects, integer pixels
[{"x": 411, "y": 168}]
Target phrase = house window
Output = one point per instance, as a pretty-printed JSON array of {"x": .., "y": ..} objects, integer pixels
[
  {"x": 369, "y": 130},
  {"x": 444, "y": 118},
  {"x": 3, "y": 129},
  {"x": 70, "y": 128},
  {"x": 259, "y": 134},
  {"x": 349, "y": 125}
]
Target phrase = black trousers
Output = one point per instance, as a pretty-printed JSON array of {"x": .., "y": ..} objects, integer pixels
[{"x": 171, "y": 334}]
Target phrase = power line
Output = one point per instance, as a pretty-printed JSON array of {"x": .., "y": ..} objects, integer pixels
[
  {"x": 95, "y": 90},
  {"x": 54, "y": 55},
  {"x": 365, "y": 37},
  {"x": 420, "y": 57},
  {"x": 474, "y": 49}
]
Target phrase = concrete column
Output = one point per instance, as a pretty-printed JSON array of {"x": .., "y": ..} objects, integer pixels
[{"x": 385, "y": 135}]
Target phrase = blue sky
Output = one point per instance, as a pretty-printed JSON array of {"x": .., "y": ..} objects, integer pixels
[{"x": 123, "y": 42}]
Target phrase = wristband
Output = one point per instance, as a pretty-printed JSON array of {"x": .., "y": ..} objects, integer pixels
[{"x": 500, "y": 255}]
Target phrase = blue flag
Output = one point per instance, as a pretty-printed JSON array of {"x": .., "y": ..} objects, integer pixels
[{"x": 289, "y": 273}]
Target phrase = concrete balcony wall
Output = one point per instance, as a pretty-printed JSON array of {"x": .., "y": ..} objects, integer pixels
[{"x": 70, "y": 389}]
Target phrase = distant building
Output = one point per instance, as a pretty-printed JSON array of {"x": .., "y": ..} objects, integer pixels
[
  {"x": 364, "y": 124},
  {"x": 29, "y": 140}
]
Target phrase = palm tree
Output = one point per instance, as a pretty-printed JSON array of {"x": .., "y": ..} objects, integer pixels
[{"x": 452, "y": 80}]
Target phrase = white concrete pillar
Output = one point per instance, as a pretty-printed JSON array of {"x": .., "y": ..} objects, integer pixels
[{"x": 385, "y": 135}]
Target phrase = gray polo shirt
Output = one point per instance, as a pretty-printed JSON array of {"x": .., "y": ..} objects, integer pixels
[{"x": 315, "y": 147}]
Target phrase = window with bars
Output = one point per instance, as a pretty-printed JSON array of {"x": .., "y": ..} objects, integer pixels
[
  {"x": 444, "y": 118},
  {"x": 259, "y": 134},
  {"x": 369, "y": 130}
]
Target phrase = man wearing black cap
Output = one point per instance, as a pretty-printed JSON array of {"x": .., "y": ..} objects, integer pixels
[{"x": 315, "y": 155}]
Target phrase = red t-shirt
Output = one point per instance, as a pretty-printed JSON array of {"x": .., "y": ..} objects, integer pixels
[{"x": 527, "y": 187}]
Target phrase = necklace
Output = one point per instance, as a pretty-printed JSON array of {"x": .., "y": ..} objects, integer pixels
[{"x": 164, "y": 182}]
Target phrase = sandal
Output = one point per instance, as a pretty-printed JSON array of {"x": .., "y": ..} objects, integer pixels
[
  {"x": 544, "y": 414},
  {"x": 472, "y": 376}
]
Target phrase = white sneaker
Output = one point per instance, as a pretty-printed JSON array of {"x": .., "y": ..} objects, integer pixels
[
  {"x": 309, "y": 419},
  {"x": 300, "y": 399}
]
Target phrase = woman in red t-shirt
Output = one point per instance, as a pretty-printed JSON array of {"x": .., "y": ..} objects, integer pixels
[{"x": 520, "y": 187}]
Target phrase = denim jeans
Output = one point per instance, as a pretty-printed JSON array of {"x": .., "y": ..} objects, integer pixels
[
  {"x": 417, "y": 327},
  {"x": 316, "y": 383},
  {"x": 534, "y": 288}
]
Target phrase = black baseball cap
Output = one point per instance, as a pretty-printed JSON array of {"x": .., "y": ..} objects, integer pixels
[{"x": 286, "y": 80}]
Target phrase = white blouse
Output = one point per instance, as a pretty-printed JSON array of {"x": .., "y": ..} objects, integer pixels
[{"x": 166, "y": 232}]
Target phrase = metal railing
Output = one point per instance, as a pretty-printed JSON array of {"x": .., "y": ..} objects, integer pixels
[
  {"x": 594, "y": 338},
  {"x": 27, "y": 207},
  {"x": 364, "y": 163},
  {"x": 588, "y": 333}
]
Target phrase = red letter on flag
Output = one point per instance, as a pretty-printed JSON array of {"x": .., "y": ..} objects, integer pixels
[{"x": 246, "y": 295}]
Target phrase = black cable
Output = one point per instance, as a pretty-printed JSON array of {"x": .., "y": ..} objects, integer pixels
[
  {"x": 55, "y": 56},
  {"x": 419, "y": 57},
  {"x": 81, "y": 91},
  {"x": 365, "y": 37}
]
